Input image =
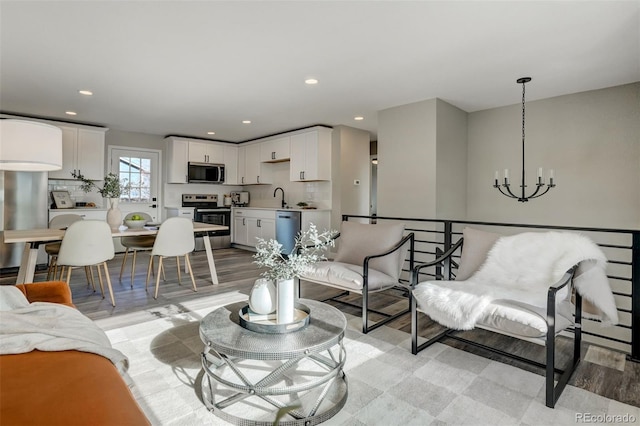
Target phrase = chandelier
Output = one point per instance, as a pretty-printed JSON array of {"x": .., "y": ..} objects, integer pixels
[{"x": 540, "y": 184}]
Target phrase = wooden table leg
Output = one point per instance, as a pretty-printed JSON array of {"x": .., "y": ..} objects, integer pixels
[
  {"x": 212, "y": 265},
  {"x": 27, "y": 264}
]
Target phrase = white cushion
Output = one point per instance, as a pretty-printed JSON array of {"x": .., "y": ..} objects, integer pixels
[
  {"x": 474, "y": 251},
  {"x": 359, "y": 240},
  {"x": 347, "y": 276},
  {"x": 520, "y": 319},
  {"x": 12, "y": 298}
]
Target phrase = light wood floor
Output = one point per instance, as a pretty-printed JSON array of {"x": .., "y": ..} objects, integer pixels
[{"x": 602, "y": 373}]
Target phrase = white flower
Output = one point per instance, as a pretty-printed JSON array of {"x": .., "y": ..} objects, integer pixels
[{"x": 308, "y": 249}]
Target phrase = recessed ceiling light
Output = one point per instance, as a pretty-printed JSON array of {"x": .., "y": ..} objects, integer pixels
[
  {"x": 71, "y": 113},
  {"x": 311, "y": 81},
  {"x": 211, "y": 133},
  {"x": 246, "y": 121},
  {"x": 85, "y": 92},
  {"x": 358, "y": 118}
]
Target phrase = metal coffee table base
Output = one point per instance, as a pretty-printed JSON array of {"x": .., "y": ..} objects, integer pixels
[
  {"x": 251, "y": 378},
  {"x": 311, "y": 387}
]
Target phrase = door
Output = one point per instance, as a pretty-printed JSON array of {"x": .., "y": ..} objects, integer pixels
[{"x": 140, "y": 169}]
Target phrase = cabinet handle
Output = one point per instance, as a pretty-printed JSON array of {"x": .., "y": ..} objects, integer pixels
[
  {"x": 273, "y": 155},
  {"x": 242, "y": 179},
  {"x": 303, "y": 175},
  {"x": 259, "y": 225},
  {"x": 300, "y": 175},
  {"x": 258, "y": 179},
  {"x": 243, "y": 223}
]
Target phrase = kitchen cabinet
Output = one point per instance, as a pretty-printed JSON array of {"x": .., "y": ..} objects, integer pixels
[
  {"x": 82, "y": 152},
  {"x": 250, "y": 170},
  {"x": 86, "y": 213},
  {"x": 275, "y": 150},
  {"x": 177, "y": 160},
  {"x": 231, "y": 165},
  {"x": 250, "y": 224},
  {"x": 311, "y": 156},
  {"x": 205, "y": 152}
]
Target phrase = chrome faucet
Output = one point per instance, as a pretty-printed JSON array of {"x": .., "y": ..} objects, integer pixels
[{"x": 274, "y": 194}]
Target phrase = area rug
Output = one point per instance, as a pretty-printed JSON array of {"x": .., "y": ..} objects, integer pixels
[{"x": 387, "y": 384}]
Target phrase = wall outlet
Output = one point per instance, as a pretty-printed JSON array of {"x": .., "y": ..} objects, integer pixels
[{"x": 356, "y": 182}]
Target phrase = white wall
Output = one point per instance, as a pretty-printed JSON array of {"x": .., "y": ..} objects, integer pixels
[
  {"x": 591, "y": 139},
  {"x": 407, "y": 160}
]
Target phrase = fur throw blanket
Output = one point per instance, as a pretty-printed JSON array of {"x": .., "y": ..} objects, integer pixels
[
  {"x": 521, "y": 268},
  {"x": 53, "y": 327}
]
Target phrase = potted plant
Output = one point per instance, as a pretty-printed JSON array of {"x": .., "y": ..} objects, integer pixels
[
  {"x": 282, "y": 268},
  {"x": 112, "y": 189}
]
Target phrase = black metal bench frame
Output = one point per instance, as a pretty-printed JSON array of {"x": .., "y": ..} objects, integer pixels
[{"x": 553, "y": 392}]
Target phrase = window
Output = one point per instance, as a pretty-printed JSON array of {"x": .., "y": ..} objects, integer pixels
[{"x": 136, "y": 172}]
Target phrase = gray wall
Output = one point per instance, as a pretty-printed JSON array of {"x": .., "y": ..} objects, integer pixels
[
  {"x": 349, "y": 162},
  {"x": 591, "y": 139},
  {"x": 407, "y": 160}
]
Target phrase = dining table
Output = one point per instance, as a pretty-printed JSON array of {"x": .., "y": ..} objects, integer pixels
[{"x": 33, "y": 238}]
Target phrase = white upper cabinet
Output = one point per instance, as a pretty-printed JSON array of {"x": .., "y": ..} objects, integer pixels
[
  {"x": 82, "y": 152},
  {"x": 177, "y": 160},
  {"x": 311, "y": 156},
  {"x": 275, "y": 150},
  {"x": 231, "y": 165},
  {"x": 206, "y": 152},
  {"x": 254, "y": 172}
]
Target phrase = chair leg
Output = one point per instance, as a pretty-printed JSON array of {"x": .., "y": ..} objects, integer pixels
[
  {"x": 87, "y": 274},
  {"x": 68, "y": 274},
  {"x": 365, "y": 305},
  {"x": 188, "y": 262},
  {"x": 149, "y": 269},
  {"x": 133, "y": 267},
  {"x": 124, "y": 261},
  {"x": 178, "y": 264},
  {"x": 106, "y": 274},
  {"x": 93, "y": 279},
  {"x": 158, "y": 277},
  {"x": 100, "y": 281},
  {"x": 52, "y": 262}
]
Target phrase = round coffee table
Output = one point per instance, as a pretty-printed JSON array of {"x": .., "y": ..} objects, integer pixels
[{"x": 251, "y": 376}]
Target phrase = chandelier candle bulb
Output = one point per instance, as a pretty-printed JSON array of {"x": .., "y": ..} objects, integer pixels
[{"x": 496, "y": 178}]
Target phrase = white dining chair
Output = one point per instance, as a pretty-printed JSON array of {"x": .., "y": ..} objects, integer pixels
[
  {"x": 87, "y": 243},
  {"x": 58, "y": 222},
  {"x": 174, "y": 238},
  {"x": 135, "y": 244}
]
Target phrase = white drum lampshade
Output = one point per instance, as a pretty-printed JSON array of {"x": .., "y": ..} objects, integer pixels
[{"x": 30, "y": 146}]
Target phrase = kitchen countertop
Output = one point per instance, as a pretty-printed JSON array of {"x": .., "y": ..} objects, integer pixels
[
  {"x": 285, "y": 209},
  {"x": 97, "y": 209}
]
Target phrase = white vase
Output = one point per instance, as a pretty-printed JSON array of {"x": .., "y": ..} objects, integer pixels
[
  {"x": 114, "y": 215},
  {"x": 285, "y": 311},
  {"x": 262, "y": 298}
]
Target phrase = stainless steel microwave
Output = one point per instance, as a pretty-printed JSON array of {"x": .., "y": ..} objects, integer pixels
[{"x": 206, "y": 173}]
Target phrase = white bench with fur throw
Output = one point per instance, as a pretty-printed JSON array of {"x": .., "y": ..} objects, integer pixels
[{"x": 521, "y": 286}]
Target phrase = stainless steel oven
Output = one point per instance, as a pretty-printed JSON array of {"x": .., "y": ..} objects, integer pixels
[{"x": 207, "y": 211}]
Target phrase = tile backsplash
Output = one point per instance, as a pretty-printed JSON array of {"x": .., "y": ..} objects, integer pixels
[{"x": 77, "y": 194}]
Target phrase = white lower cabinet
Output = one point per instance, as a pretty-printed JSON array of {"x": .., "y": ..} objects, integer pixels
[{"x": 250, "y": 224}]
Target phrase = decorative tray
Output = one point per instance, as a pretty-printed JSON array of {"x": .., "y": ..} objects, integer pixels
[{"x": 267, "y": 323}]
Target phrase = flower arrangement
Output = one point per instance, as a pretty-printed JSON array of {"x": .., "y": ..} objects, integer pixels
[
  {"x": 112, "y": 187},
  {"x": 308, "y": 249}
]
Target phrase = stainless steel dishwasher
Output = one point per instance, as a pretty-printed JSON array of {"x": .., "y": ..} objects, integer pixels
[{"x": 287, "y": 229}]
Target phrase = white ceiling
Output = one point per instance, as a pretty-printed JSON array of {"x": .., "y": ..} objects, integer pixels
[{"x": 188, "y": 67}]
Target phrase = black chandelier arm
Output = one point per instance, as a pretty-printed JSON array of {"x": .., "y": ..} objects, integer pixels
[
  {"x": 549, "y": 186},
  {"x": 508, "y": 193}
]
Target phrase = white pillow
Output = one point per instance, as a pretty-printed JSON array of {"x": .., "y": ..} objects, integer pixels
[
  {"x": 11, "y": 298},
  {"x": 474, "y": 251}
]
